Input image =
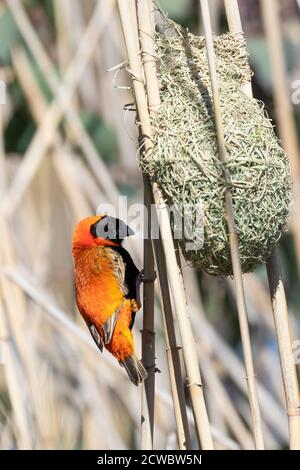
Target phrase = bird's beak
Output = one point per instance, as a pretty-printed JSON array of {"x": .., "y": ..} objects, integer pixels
[
  {"x": 125, "y": 230},
  {"x": 112, "y": 229}
]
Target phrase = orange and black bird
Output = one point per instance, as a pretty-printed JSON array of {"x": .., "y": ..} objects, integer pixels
[{"x": 107, "y": 288}]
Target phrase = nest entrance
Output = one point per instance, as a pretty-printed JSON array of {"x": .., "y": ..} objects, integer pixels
[{"x": 185, "y": 163}]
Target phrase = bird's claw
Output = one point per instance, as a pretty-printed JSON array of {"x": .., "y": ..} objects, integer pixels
[
  {"x": 134, "y": 305},
  {"x": 149, "y": 278}
]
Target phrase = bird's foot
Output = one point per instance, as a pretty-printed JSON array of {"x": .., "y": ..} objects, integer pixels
[
  {"x": 149, "y": 278},
  {"x": 134, "y": 305},
  {"x": 141, "y": 278}
]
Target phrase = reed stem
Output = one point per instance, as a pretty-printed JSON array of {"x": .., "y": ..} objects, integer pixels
[
  {"x": 129, "y": 27},
  {"x": 233, "y": 239}
]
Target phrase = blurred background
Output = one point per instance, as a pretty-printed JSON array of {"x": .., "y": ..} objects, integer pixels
[{"x": 59, "y": 160}]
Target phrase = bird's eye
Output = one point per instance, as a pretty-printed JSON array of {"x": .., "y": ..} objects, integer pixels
[
  {"x": 111, "y": 228},
  {"x": 100, "y": 228},
  {"x": 103, "y": 228}
]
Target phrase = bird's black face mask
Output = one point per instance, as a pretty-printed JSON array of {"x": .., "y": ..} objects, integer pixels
[{"x": 110, "y": 228}]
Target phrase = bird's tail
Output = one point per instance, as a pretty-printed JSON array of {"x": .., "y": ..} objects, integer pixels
[{"x": 135, "y": 369}]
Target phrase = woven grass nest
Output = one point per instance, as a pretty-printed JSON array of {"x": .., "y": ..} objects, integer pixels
[{"x": 185, "y": 162}]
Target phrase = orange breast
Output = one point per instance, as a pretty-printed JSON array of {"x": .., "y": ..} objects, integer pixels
[{"x": 97, "y": 289}]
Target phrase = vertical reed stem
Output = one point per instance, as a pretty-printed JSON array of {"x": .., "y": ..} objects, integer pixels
[
  {"x": 278, "y": 298},
  {"x": 148, "y": 334},
  {"x": 287, "y": 360},
  {"x": 148, "y": 338},
  {"x": 233, "y": 239},
  {"x": 283, "y": 107},
  {"x": 172, "y": 349},
  {"x": 189, "y": 351}
]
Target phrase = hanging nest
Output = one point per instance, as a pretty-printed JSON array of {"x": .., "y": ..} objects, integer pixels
[{"x": 185, "y": 163}]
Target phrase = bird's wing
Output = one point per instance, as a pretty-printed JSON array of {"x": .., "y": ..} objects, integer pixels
[
  {"x": 96, "y": 336},
  {"x": 119, "y": 270},
  {"x": 127, "y": 275},
  {"x": 130, "y": 277},
  {"x": 109, "y": 326},
  {"x": 126, "y": 271}
]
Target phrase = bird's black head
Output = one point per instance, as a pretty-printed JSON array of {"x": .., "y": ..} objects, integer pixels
[{"x": 110, "y": 229}]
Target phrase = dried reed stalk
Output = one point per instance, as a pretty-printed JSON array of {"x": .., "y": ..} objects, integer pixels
[
  {"x": 16, "y": 385},
  {"x": 219, "y": 437},
  {"x": 277, "y": 291},
  {"x": 20, "y": 358},
  {"x": 148, "y": 334},
  {"x": 60, "y": 320},
  {"x": 88, "y": 88},
  {"x": 89, "y": 373},
  {"x": 146, "y": 31},
  {"x": 63, "y": 96},
  {"x": 234, "y": 248},
  {"x": 13, "y": 369},
  {"x": 225, "y": 406},
  {"x": 3, "y": 181},
  {"x": 60, "y": 156},
  {"x": 172, "y": 350},
  {"x": 56, "y": 315},
  {"x": 14, "y": 301},
  {"x": 76, "y": 128},
  {"x": 225, "y": 409},
  {"x": 231, "y": 363},
  {"x": 288, "y": 366},
  {"x": 227, "y": 359},
  {"x": 63, "y": 33},
  {"x": 283, "y": 107},
  {"x": 87, "y": 183},
  {"x": 144, "y": 15},
  {"x": 129, "y": 27}
]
